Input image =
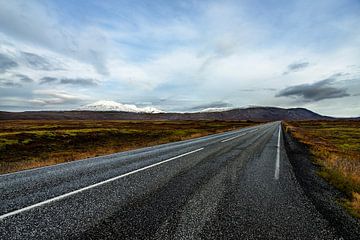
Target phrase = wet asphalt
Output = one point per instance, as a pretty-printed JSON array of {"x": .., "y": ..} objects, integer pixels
[{"x": 221, "y": 186}]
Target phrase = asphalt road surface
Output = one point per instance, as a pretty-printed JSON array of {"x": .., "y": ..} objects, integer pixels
[{"x": 235, "y": 185}]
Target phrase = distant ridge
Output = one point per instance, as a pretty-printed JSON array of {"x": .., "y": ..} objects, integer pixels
[
  {"x": 251, "y": 113},
  {"x": 115, "y": 106}
]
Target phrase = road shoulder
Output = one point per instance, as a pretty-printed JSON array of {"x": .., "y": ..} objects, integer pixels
[{"x": 324, "y": 196}]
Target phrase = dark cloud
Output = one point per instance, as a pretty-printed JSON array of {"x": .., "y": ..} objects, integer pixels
[
  {"x": 79, "y": 81},
  {"x": 49, "y": 97},
  {"x": 217, "y": 104},
  {"x": 295, "y": 67},
  {"x": 338, "y": 75},
  {"x": 9, "y": 83},
  {"x": 24, "y": 78},
  {"x": 6, "y": 63},
  {"x": 256, "y": 89},
  {"x": 317, "y": 91},
  {"x": 71, "y": 81},
  {"x": 36, "y": 62},
  {"x": 46, "y": 80},
  {"x": 15, "y": 17},
  {"x": 16, "y": 80}
]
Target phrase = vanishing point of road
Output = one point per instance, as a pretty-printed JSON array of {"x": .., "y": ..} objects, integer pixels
[{"x": 234, "y": 185}]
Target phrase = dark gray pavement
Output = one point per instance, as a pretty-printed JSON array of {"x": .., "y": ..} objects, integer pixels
[{"x": 222, "y": 186}]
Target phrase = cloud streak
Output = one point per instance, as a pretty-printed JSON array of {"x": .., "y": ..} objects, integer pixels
[
  {"x": 218, "y": 104},
  {"x": 6, "y": 63},
  {"x": 79, "y": 81},
  {"x": 47, "y": 80},
  {"x": 314, "y": 92},
  {"x": 296, "y": 67},
  {"x": 37, "y": 62},
  {"x": 69, "y": 81},
  {"x": 189, "y": 53},
  {"x": 81, "y": 44},
  {"x": 54, "y": 97},
  {"x": 24, "y": 78},
  {"x": 8, "y": 83}
]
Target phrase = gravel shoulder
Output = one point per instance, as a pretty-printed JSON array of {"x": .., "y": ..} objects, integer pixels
[{"x": 323, "y": 196}]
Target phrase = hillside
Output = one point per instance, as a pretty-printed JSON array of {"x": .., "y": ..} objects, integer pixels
[{"x": 252, "y": 113}]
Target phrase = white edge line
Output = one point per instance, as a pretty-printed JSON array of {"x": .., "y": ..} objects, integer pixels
[
  {"x": 228, "y": 139},
  {"x": 277, "y": 165},
  {"x": 92, "y": 186}
]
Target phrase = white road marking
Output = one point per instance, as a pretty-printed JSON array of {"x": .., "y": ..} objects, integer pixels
[
  {"x": 92, "y": 186},
  {"x": 209, "y": 137},
  {"x": 228, "y": 139},
  {"x": 277, "y": 165}
]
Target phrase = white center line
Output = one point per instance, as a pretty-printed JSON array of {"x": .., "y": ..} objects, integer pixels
[
  {"x": 92, "y": 186},
  {"x": 228, "y": 139},
  {"x": 277, "y": 165}
]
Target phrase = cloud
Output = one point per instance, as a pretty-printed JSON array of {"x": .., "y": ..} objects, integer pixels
[
  {"x": 24, "y": 78},
  {"x": 42, "y": 98},
  {"x": 317, "y": 91},
  {"x": 218, "y": 104},
  {"x": 256, "y": 89},
  {"x": 15, "y": 80},
  {"x": 69, "y": 81},
  {"x": 8, "y": 83},
  {"x": 79, "y": 81},
  {"x": 188, "y": 53},
  {"x": 37, "y": 62},
  {"x": 87, "y": 44},
  {"x": 46, "y": 80},
  {"x": 295, "y": 67},
  {"x": 54, "y": 97},
  {"x": 6, "y": 63}
]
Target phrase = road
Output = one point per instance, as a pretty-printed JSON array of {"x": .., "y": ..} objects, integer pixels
[{"x": 234, "y": 185}]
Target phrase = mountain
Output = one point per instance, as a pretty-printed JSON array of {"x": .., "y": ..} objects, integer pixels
[
  {"x": 216, "y": 109},
  {"x": 251, "y": 114},
  {"x": 115, "y": 106}
]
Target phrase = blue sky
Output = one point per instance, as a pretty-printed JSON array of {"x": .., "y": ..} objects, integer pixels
[{"x": 181, "y": 55}]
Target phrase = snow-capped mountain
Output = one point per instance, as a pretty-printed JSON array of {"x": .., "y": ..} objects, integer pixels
[
  {"x": 217, "y": 109},
  {"x": 115, "y": 106}
]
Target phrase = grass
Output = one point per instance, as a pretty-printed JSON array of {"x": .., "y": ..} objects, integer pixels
[
  {"x": 335, "y": 146},
  {"x": 26, "y": 144}
]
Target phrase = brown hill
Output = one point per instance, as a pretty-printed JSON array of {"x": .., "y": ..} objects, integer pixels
[{"x": 252, "y": 113}]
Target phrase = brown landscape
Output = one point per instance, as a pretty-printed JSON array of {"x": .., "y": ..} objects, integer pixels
[
  {"x": 335, "y": 147},
  {"x": 26, "y": 144},
  {"x": 251, "y": 113},
  {"x": 334, "y": 144}
]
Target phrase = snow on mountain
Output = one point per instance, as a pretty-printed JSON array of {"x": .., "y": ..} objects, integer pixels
[
  {"x": 219, "y": 109},
  {"x": 223, "y": 109},
  {"x": 115, "y": 106}
]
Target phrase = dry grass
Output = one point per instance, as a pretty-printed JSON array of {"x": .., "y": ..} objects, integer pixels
[
  {"x": 335, "y": 146},
  {"x": 29, "y": 144}
]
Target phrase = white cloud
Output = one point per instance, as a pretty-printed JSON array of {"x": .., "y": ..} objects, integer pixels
[
  {"x": 206, "y": 54},
  {"x": 58, "y": 65},
  {"x": 28, "y": 21}
]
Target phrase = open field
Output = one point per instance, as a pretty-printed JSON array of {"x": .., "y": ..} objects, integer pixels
[
  {"x": 335, "y": 146},
  {"x": 27, "y": 144}
]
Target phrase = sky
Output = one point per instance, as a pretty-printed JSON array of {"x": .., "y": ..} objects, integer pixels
[{"x": 181, "y": 55}]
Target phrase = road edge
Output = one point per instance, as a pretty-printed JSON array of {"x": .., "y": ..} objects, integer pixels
[{"x": 323, "y": 196}]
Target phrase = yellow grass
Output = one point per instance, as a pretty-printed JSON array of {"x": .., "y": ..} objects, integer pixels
[
  {"x": 26, "y": 144},
  {"x": 335, "y": 146}
]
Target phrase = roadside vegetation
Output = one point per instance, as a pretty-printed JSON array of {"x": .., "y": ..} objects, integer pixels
[
  {"x": 27, "y": 144},
  {"x": 335, "y": 147}
]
